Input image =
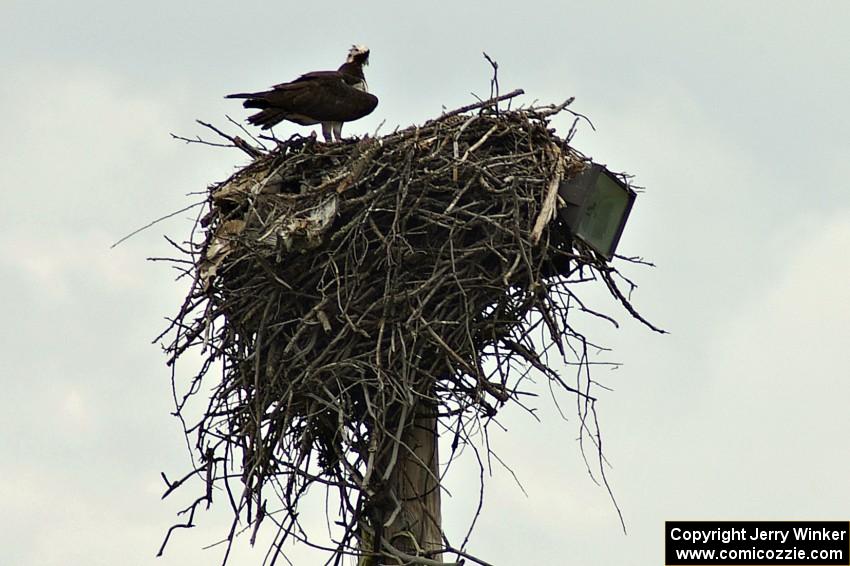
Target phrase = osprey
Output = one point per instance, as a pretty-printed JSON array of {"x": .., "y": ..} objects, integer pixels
[{"x": 328, "y": 98}]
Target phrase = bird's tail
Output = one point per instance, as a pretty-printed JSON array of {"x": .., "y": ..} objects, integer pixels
[
  {"x": 254, "y": 99},
  {"x": 267, "y": 118}
]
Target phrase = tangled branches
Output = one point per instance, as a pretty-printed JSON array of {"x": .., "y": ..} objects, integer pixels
[{"x": 354, "y": 296}]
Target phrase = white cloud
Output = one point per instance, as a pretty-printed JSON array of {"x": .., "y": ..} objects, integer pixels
[
  {"x": 796, "y": 331},
  {"x": 775, "y": 400},
  {"x": 76, "y": 411},
  {"x": 85, "y": 151},
  {"x": 50, "y": 268}
]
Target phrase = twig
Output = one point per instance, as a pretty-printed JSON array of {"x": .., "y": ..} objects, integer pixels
[
  {"x": 548, "y": 210},
  {"x": 148, "y": 225},
  {"x": 552, "y": 110},
  {"x": 235, "y": 140},
  {"x": 494, "y": 82},
  {"x": 490, "y": 102},
  {"x": 245, "y": 131}
]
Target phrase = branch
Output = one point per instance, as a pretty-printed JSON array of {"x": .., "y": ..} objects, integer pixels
[
  {"x": 158, "y": 220},
  {"x": 235, "y": 140},
  {"x": 481, "y": 104}
]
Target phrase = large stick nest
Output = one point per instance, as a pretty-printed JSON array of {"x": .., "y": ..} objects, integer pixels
[{"x": 348, "y": 289}]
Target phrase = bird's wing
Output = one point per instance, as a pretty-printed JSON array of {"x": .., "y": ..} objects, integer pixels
[
  {"x": 325, "y": 98},
  {"x": 322, "y": 96},
  {"x": 297, "y": 84},
  {"x": 321, "y": 75},
  {"x": 309, "y": 76}
]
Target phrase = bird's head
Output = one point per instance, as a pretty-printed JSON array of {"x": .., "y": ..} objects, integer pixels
[{"x": 358, "y": 54}]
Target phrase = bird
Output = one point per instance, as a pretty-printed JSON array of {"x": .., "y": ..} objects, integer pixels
[{"x": 328, "y": 98}]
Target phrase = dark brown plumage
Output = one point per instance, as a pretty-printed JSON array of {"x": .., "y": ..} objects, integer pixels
[{"x": 328, "y": 98}]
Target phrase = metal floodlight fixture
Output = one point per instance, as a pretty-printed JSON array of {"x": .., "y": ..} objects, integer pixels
[{"x": 597, "y": 207}]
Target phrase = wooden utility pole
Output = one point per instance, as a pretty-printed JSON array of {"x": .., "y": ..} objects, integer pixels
[
  {"x": 414, "y": 521},
  {"x": 415, "y": 480}
]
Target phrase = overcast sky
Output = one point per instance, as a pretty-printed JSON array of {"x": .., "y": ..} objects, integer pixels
[{"x": 733, "y": 115}]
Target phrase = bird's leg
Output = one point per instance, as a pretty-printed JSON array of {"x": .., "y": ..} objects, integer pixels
[
  {"x": 327, "y": 131},
  {"x": 337, "y": 130}
]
